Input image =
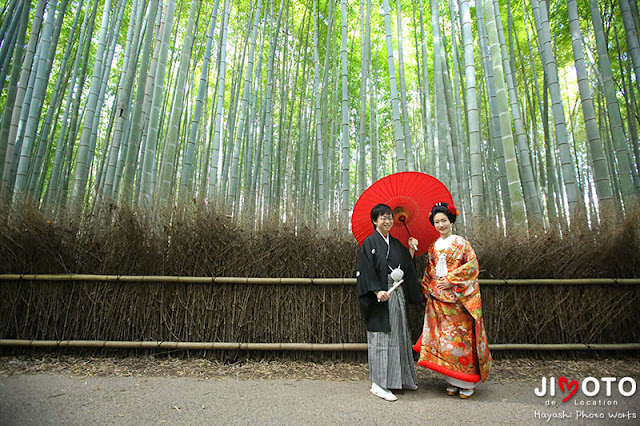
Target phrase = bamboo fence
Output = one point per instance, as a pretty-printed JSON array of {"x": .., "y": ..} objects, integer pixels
[
  {"x": 297, "y": 318},
  {"x": 289, "y": 346},
  {"x": 292, "y": 281}
]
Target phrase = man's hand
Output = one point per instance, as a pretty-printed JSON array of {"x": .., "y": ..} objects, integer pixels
[
  {"x": 413, "y": 246},
  {"x": 382, "y": 296}
]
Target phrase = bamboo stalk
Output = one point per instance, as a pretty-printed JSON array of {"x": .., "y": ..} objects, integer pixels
[
  {"x": 292, "y": 346},
  {"x": 293, "y": 281},
  {"x": 187, "y": 345},
  {"x": 172, "y": 278},
  {"x": 565, "y": 347},
  {"x": 575, "y": 281}
]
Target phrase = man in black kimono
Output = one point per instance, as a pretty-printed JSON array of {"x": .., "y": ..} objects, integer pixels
[{"x": 390, "y": 358}]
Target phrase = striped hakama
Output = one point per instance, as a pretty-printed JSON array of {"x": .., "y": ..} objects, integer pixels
[{"x": 391, "y": 363}]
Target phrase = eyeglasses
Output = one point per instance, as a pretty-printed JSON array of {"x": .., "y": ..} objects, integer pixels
[{"x": 387, "y": 218}]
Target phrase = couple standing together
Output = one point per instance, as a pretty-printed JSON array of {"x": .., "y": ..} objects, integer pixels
[{"x": 453, "y": 340}]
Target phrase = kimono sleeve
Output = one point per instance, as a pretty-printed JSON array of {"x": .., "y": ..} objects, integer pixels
[
  {"x": 367, "y": 274},
  {"x": 465, "y": 277},
  {"x": 426, "y": 279}
]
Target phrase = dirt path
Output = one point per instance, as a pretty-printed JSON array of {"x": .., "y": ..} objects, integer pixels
[{"x": 63, "y": 392}]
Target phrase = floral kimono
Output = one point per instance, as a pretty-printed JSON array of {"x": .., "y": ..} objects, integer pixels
[{"x": 453, "y": 340}]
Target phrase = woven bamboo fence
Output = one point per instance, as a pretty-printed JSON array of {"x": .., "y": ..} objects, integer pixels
[
  {"x": 137, "y": 296},
  {"x": 299, "y": 318}
]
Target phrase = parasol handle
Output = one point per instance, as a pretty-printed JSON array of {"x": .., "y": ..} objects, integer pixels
[
  {"x": 395, "y": 286},
  {"x": 403, "y": 220}
]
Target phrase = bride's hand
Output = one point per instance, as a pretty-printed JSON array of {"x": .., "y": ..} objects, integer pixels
[{"x": 443, "y": 284}]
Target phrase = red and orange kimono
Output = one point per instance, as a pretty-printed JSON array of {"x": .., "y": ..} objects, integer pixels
[{"x": 454, "y": 341}]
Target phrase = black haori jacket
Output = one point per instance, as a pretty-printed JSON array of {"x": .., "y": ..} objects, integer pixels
[{"x": 373, "y": 268}]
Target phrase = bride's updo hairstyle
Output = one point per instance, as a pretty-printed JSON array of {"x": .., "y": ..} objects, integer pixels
[{"x": 449, "y": 209}]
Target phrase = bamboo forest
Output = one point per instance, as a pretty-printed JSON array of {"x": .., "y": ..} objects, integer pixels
[{"x": 528, "y": 111}]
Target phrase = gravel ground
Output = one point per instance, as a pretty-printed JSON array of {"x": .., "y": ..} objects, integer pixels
[
  {"x": 505, "y": 370},
  {"x": 145, "y": 390}
]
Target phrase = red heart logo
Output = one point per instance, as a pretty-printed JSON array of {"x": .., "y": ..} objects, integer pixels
[{"x": 571, "y": 386}]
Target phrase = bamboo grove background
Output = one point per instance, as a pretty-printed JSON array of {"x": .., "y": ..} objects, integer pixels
[{"x": 527, "y": 111}]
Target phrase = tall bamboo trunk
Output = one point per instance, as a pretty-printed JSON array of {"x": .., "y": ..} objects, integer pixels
[
  {"x": 9, "y": 104},
  {"x": 124, "y": 98},
  {"x": 529, "y": 189},
  {"x": 473, "y": 113},
  {"x": 365, "y": 30},
  {"x": 172, "y": 138},
  {"x": 234, "y": 181},
  {"x": 84, "y": 153},
  {"x": 267, "y": 160},
  {"x": 613, "y": 109},
  {"x": 149, "y": 171},
  {"x": 598, "y": 160},
  {"x": 22, "y": 101},
  {"x": 344, "y": 109},
  {"x": 398, "y": 134},
  {"x": 188, "y": 166},
  {"x": 404, "y": 107},
  {"x": 571, "y": 189}
]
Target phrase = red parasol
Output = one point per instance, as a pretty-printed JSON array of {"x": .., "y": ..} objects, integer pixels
[{"x": 411, "y": 195}]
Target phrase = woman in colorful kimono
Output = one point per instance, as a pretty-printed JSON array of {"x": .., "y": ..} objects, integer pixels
[
  {"x": 453, "y": 341},
  {"x": 383, "y": 260}
]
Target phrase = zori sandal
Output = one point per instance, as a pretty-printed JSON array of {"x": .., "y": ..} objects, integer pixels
[
  {"x": 466, "y": 393},
  {"x": 452, "y": 390}
]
